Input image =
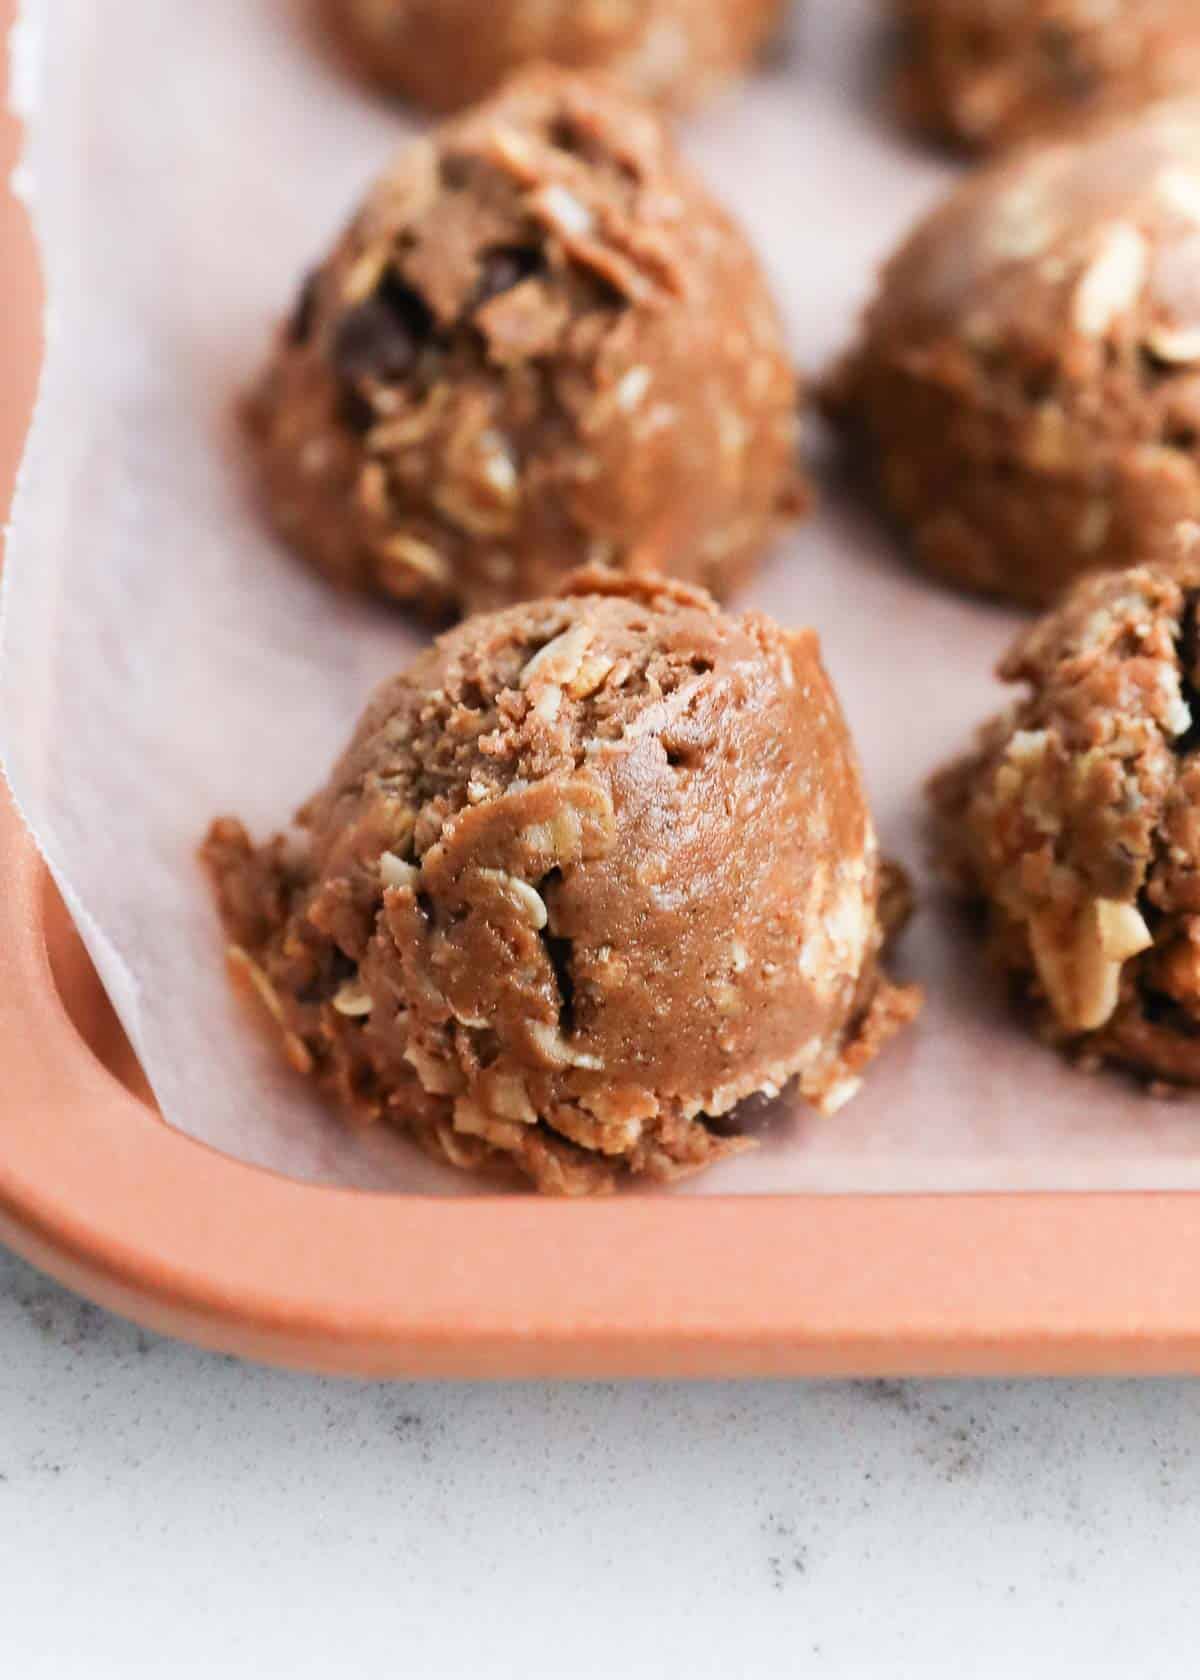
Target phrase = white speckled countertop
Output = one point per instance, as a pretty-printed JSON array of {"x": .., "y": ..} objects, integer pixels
[{"x": 173, "y": 1513}]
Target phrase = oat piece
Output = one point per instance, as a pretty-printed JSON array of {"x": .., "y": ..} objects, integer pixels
[
  {"x": 539, "y": 344},
  {"x": 988, "y": 73},
  {"x": 1027, "y": 383},
  {"x": 445, "y": 54},
  {"x": 1076, "y": 820},
  {"x": 590, "y": 872}
]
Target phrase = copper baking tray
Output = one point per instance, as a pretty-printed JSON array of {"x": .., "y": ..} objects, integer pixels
[{"x": 100, "y": 1192}]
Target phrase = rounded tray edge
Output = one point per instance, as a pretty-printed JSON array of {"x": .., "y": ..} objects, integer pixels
[{"x": 98, "y": 1190}]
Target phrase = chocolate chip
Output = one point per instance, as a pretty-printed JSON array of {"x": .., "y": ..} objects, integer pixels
[
  {"x": 504, "y": 267},
  {"x": 566, "y": 136},
  {"x": 335, "y": 970},
  {"x": 1189, "y": 674},
  {"x": 577, "y": 140},
  {"x": 355, "y": 410},
  {"x": 304, "y": 311},
  {"x": 723, "y": 1125},
  {"x": 382, "y": 337},
  {"x": 453, "y": 172},
  {"x": 1076, "y": 78}
]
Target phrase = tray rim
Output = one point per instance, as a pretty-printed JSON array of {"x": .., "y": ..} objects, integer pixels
[{"x": 98, "y": 1191}]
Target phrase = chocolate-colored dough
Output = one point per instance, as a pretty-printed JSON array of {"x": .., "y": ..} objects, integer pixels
[
  {"x": 987, "y": 73},
  {"x": 1027, "y": 384},
  {"x": 445, "y": 53},
  {"x": 1076, "y": 820},
  {"x": 590, "y": 872},
  {"x": 540, "y": 344}
]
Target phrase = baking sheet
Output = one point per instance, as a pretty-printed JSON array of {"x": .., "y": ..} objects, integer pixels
[{"x": 163, "y": 660}]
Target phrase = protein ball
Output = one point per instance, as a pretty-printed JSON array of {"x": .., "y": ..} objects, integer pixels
[
  {"x": 540, "y": 344},
  {"x": 1027, "y": 383},
  {"x": 987, "y": 73},
  {"x": 450, "y": 52},
  {"x": 591, "y": 872},
  {"x": 1076, "y": 820}
]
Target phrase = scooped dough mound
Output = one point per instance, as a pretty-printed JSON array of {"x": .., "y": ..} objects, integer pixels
[
  {"x": 1075, "y": 822},
  {"x": 539, "y": 344},
  {"x": 1027, "y": 384},
  {"x": 592, "y": 871},
  {"x": 445, "y": 53},
  {"x": 988, "y": 73}
]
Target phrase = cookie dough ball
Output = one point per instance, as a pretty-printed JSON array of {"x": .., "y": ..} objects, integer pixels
[
  {"x": 986, "y": 73},
  {"x": 445, "y": 53},
  {"x": 590, "y": 872},
  {"x": 540, "y": 344},
  {"x": 1076, "y": 821},
  {"x": 1027, "y": 383}
]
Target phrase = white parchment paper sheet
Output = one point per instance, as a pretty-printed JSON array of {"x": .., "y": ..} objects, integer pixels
[{"x": 164, "y": 661}]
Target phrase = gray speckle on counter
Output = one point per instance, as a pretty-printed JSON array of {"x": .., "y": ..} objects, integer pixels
[{"x": 174, "y": 1513}]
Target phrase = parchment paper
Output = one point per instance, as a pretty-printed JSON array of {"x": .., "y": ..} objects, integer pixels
[{"x": 164, "y": 661}]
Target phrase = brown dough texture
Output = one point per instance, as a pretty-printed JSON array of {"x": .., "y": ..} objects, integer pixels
[
  {"x": 988, "y": 73},
  {"x": 1026, "y": 387},
  {"x": 592, "y": 871},
  {"x": 540, "y": 344},
  {"x": 446, "y": 53},
  {"x": 1076, "y": 820}
]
